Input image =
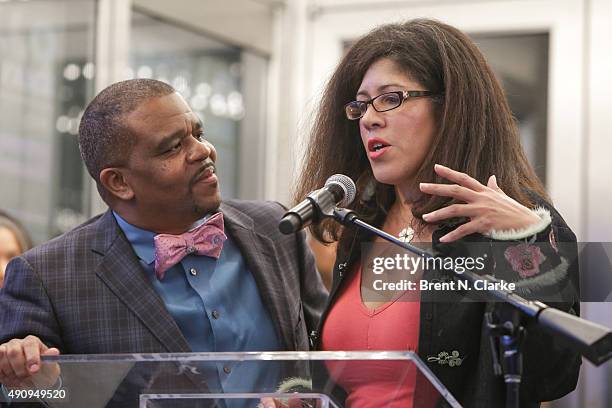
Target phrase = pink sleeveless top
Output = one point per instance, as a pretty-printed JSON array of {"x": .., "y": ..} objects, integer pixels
[{"x": 351, "y": 326}]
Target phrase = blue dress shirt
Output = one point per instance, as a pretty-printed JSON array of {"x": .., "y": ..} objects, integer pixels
[{"x": 217, "y": 306}]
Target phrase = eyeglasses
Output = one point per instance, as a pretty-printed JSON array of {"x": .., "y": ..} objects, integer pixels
[{"x": 382, "y": 103}]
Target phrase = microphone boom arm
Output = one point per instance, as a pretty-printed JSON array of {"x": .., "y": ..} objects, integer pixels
[{"x": 591, "y": 340}]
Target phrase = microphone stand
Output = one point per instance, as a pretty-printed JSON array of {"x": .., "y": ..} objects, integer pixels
[{"x": 505, "y": 325}]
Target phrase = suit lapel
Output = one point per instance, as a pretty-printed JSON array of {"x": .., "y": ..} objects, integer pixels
[
  {"x": 122, "y": 273},
  {"x": 261, "y": 258}
]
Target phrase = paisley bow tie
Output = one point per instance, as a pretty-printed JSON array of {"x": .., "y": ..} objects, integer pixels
[{"x": 207, "y": 239}]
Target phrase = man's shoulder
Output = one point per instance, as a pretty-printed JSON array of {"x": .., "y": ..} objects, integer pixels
[
  {"x": 260, "y": 216},
  {"x": 78, "y": 238},
  {"x": 256, "y": 208}
]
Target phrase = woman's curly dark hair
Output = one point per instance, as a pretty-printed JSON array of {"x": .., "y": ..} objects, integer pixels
[{"x": 476, "y": 132}]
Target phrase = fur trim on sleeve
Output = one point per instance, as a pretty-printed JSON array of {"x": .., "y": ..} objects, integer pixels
[
  {"x": 291, "y": 384},
  {"x": 514, "y": 234}
]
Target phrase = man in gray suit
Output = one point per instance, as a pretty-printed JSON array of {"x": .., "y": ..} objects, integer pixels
[{"x": 120, "y": 283}]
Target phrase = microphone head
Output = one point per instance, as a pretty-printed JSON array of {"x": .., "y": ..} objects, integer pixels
[{"x": 346, "y": 184}]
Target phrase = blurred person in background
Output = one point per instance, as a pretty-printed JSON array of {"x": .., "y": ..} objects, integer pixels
[{"x": 14, "y": 240}]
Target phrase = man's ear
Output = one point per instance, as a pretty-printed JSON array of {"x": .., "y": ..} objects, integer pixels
[{"x": 115, "y": 183}]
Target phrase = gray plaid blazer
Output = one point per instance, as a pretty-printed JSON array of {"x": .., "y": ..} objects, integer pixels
[{"x": 85, "y": 291}]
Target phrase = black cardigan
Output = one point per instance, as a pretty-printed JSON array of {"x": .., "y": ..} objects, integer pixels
[{"x": 549, "y": 369}]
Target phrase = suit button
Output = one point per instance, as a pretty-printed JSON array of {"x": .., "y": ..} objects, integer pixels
[
  {"x": 428, "y": 316},
  {"x": 227, "y": 370},
  {"x": 193, "y": 271},
  {"x": 215, "y": 314}
]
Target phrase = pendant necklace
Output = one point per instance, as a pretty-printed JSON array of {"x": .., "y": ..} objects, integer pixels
[{"x": 406, "y": 235}]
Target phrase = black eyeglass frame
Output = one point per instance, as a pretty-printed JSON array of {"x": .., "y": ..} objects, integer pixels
[{"x": 402, "y": 94}]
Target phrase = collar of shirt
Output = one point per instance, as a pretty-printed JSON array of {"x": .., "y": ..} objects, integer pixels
[{"x": 142, "y": 240}]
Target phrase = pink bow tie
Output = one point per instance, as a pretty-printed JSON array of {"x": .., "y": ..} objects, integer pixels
[{"x": 207, "y": 239}]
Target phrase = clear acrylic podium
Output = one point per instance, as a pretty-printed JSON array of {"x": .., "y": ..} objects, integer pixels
[{"x": 228, "y": 380}]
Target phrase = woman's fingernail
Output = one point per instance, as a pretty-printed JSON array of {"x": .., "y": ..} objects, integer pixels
[{"x": 426, "y": 216}]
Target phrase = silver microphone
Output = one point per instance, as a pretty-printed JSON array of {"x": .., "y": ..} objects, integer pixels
[{"x": 339, "y": 190}]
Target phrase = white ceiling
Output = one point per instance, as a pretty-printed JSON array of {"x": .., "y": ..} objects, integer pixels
[
  {"x": 244, "y": 23},
  {"x": 147, "y": 35},
  {"x": 16, "y": 16}
]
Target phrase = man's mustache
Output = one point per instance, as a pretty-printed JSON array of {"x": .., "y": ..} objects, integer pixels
[{"x": 207, "y": 165}]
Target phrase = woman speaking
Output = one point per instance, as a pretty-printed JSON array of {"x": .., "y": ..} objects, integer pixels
[{"x": 416, "y": 117}]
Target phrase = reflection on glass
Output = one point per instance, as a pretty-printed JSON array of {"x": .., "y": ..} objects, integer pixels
[
  {"x": 520, "y": 61},
  {"x": 171, "y": 380},
  {"x": 45, "y": 78}
]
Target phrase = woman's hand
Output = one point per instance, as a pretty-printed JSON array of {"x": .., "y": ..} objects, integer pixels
[{"x": 487, "y": 207}]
